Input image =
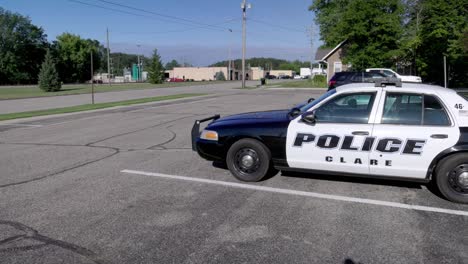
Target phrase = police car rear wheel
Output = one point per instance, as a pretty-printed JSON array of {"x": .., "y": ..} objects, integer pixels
[
  {"x": 249, "y": 160},
  {"x": 452, "y": 178}
]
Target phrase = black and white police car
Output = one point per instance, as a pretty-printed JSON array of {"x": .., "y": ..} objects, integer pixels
[{"x": 406, "y": 131}]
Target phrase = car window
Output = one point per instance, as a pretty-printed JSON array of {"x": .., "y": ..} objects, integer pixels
[
  {"x": 402, "y": 109},
  {"x": 388, "y": 73},
  {"x": 318, "y": 100},
  {"x": 434, "y": 112},
  {"x": 347, "y": 108},
  {"x": 341, "y": 77},
  {"x": 409, "y": 109}
]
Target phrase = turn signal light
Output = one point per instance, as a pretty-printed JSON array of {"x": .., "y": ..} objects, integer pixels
[{"x": 209, "y": 135}]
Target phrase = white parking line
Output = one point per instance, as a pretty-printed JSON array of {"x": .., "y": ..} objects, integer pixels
[
  {"x": 22, "y": 125},
  {"x": 301, "y": 193}
]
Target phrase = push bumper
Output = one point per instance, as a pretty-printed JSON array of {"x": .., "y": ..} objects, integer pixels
[{"x": 196, "y": 129}]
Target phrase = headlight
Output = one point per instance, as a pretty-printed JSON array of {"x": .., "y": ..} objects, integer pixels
[{"x": 209, "y": 135}]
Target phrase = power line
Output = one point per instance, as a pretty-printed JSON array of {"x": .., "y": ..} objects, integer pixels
[
  {"x": 162, "y": 15},
  {"x": 177, "y": 30},
  {"x": 115, "y": 10},
  {"x": 277, "y": 26},
  {"x": 206, "y": 26}
]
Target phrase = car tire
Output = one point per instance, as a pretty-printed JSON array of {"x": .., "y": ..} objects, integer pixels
[
  {"x": 249, "y": 160},
  {"x": 452, "y": 178}
]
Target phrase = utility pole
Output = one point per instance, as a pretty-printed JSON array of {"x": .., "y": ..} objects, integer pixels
[
  {"x": 108, "y": 59},
  {"x": 229, "y": 58},
  {"x": 92, "y": 79},
  {"x": 445, "y": 71},
  {"x": 139, "y": 65},
  {"x": 244, "y": 7}
]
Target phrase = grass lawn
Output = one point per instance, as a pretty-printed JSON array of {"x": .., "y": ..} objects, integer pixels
[
  {"x": 16, "y": 92},
  {"x": 300, "y": 84},
  {"x": 86, "y": 107}
]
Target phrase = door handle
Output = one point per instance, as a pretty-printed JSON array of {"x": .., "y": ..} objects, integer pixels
[
  {"x": 439, "y": 136},
  {"x": 360, "y": 133}
]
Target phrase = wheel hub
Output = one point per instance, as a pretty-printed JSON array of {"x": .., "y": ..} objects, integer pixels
[
  {"x": 458, "y": 179},
  {"x": 248, "y": 161},
  {"x": 463, "y": 179}
]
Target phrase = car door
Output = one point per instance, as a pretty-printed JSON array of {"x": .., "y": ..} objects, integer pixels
[
  {"x": 410, "y": 130},
  {"x": 337, "y": 141}
]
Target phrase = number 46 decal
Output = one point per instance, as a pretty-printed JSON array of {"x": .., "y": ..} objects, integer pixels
[{"x": 458, "y": 106}]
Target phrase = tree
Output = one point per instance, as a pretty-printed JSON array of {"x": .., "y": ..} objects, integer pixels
[
  {"x": 48, "y": 76},
  {"x": 371, "y": 28},
  {"x": 22, "y": 48},
  {"x": 74, "y": 58},
  {"x": 442, "y": 32},
  {"x": 219, "y": 76},
  {"x": 156, "y": 69},
  {"x": 172, "y": 64}
]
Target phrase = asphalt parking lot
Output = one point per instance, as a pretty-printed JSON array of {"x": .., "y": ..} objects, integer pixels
[{"x": 124, "y": 186}]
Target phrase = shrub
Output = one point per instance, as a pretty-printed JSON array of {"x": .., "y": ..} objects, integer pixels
[{"x": 319, "y": 81}]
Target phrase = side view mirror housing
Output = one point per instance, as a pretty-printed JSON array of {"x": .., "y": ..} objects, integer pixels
[
  {"x": 308, "y": 118},
  {"x": 310, "y": 100}
]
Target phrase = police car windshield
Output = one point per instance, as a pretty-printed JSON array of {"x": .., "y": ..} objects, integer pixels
[{"x": 318, "y": 100}]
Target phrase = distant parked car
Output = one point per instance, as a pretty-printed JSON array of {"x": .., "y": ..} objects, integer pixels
[
  {"x": 175, "y": 80},
  {"x": 270, "y": 77},
  {"x": 284, "y": 77},
  {"x": 297, "y": 77},
  {"x": 391, "y": 73},
  {"x": 341, "y": 78}
]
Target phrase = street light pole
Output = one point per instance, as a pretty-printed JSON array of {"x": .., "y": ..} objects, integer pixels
[
  {"x": 229, "y": 59},
  {"x": 139, "y": 65},
  {"x": 244, "y": 7}
]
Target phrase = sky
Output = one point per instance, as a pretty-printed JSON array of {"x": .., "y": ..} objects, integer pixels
[{"x": 197, "y": 32}]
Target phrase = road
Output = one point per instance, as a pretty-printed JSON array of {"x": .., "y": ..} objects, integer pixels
[
  {"x": 105, "y": 187},
  {"x": 40, "y": 103}
]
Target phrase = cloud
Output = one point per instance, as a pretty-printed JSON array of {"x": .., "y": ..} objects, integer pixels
[{"x": 204, "y": 55}]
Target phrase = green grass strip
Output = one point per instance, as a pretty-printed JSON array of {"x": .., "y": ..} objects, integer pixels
[
  {"x": 300, "y": 84},
  {"x": 32, "y": 91},
  {"x": 87, "y": 107}
]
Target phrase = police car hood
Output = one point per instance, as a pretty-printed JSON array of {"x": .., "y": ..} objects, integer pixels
[{"x": 275, "y": 115}]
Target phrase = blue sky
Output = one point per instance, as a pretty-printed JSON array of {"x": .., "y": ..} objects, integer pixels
[{"x": 274, "y": 28}]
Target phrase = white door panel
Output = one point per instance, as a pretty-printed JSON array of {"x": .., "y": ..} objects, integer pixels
[
  {"x": 329, "y": 147},
  {"x": 420, "y": 147}
]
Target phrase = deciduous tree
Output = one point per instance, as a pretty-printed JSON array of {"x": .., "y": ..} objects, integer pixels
[{"x": 22, "y": 49}]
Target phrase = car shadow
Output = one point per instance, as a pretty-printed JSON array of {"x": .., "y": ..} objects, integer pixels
[
  {"x": 339, "y": 178},
  {"x": 361, "y": 180}
]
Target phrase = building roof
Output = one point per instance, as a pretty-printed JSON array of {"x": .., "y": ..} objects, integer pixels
[
  {"x": 330, "y": 51},
  {"x": 321, "y": 53}
]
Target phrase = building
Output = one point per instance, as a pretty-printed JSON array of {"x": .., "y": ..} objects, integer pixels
[
  {"x": 333, "y": 59},
  {"x": 201, "y": 73},
  {"x": 278, "y": 73},
  {"x": 255, "y": 73}
]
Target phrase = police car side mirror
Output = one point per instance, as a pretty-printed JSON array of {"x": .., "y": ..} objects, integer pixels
[
  {"x": 308, "y": 118},
  {"x": 310, "y": 100}
]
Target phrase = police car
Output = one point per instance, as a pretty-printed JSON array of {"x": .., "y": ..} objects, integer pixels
[{"x": 406, "y": 131}]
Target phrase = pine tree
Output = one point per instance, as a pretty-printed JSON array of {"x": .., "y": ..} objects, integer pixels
[
  {"x": 48, "y": 76},
  {"x": 156, "y": 69},
  {"x": 219, "y": 76}
]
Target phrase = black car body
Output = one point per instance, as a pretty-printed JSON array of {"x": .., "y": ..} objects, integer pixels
[{"x": 341, "y": 78}]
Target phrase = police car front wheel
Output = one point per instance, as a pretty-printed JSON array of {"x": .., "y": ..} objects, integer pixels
[
  {"x": 249, "y": 160},
  {"x": 452, "y": 178}
]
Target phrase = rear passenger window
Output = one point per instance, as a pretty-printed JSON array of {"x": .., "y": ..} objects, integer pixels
[
  {"x": 414, "y": 109},
  {"x": 434, "y": 112}
]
